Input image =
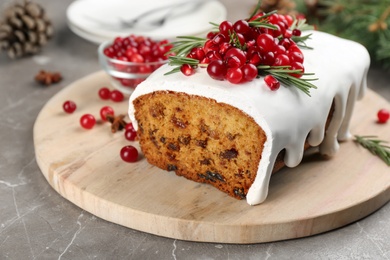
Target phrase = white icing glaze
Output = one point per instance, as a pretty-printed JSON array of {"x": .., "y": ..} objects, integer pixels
[{"x": 287, "y": 116}]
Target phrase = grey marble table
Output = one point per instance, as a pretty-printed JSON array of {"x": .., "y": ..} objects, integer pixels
[{"x": 37, "y": 223}]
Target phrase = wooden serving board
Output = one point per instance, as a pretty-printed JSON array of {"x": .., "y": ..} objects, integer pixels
[{"x": 321, "y": 194}]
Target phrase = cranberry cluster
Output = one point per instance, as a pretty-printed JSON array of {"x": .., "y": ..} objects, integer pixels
[
  {"x": 87, "y": 121},
  {"x": 137, "y": 49},
  {"x": 147, "y": 53},
  {"x": 236, "y": 50}
]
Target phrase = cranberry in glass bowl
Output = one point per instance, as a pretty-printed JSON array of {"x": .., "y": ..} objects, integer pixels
[{"x": 130, "y": 60}]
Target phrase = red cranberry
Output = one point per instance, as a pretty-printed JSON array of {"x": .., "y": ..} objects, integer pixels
[
  {"x": 271, "y": 82},
  {"x": 116, "y": 96},
  {"x": 282, "y": 60},
  {"x": 236, "y": 52},
  {"x": 106, "y": 110},
  {"x": 266, "y": 43},
  {"x": 217, "y": 70},
  {"x": 87, "y": 121},
  {"x": 241, "y": 26},
  {"x": 226, "y": 28},
  {"x": 249, "y": 72},
  {"x": 234, "y": 75},
  {"x": 187, "y": 69},
  {"x": 130, "y": 135},
  {"x": 104, "y": 93},
  {"x": 69, "y": 106},
  {"x": 297, "y": 66},
  {"x": 383, "y": 116},
  {"x": 129, "y": 153}
]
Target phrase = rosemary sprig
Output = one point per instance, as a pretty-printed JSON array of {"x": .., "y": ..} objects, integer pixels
[
  {"x": 375, "y": 146},
  {"x": 185, "y": 44},
  {"x": 178, "y": 61},
  {"x": 263, "y": 21},
  {"x": 283, "y": 74},
  {"x": 256, "y": 10},
  {"x": 301, "y": 25}
]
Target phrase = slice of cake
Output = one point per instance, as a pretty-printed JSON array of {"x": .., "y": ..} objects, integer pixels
[{"x": 233, "y": 136}]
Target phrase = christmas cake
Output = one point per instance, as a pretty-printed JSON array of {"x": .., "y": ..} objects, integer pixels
[{"x": 234, "y": 136}]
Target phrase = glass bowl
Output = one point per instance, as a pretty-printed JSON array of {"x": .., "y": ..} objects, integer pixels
[{"x": 125, "y": 75}]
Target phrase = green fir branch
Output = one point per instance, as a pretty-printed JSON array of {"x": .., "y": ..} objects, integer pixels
[
  {"x": 366, "y": 22},
  {"x": 375, "y": 146}
]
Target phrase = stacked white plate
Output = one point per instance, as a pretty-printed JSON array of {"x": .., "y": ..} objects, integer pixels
[{"x": 101, "y": 20}]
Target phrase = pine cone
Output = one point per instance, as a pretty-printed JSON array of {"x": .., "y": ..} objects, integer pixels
[{"x": 24, "y": 29}]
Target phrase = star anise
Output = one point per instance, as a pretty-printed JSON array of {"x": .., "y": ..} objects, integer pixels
[
  {"x": 117, "y": 122},
  {"x": 47, "y": 78}
]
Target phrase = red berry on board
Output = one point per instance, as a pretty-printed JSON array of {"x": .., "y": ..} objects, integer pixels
[
  {"x": 129, "y": 126},
  {"x": 104, "y": 93},
  {"x": 116, "y": 96},
  {"x": 130, "y": 135},
  {"x": 87, "y": 121},
  {"x": 69, "y": 106},
  {"x": 104, "y": 111},
  {"x": 383, "y": 116},
  {"x": 129, "y": 153},
  {"x": 271, "y": 82}
]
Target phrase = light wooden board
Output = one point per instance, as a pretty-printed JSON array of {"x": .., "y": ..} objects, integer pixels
[{"x": 321, "y": 194}]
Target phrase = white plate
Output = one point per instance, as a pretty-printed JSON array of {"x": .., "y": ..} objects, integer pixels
[
  {"x": 87, "y": 36},
  {"x": 101, "y": 18}
]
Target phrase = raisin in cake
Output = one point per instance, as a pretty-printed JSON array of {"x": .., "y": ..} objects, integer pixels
[{"x": 230, "y": 135}]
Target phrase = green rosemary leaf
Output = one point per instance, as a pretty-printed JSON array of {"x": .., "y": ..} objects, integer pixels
[
  {"x": 177, "y": 69},
  {"x": 215, "y": 26},
  {"x": 262, "y": 24},
  {"x": 256, "y": 10},
  {"x": 236, "y": 41},
  {"x": 301, "y": 25},
  {"x": 185, "y": 45},
  {"x": 283, "y": 75},
  {"x": 195, "y": 38},
  {"x": 178, "y": 61},
  {"x": 265, "y": 16},
  {"x": 375, "y": 146}
]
